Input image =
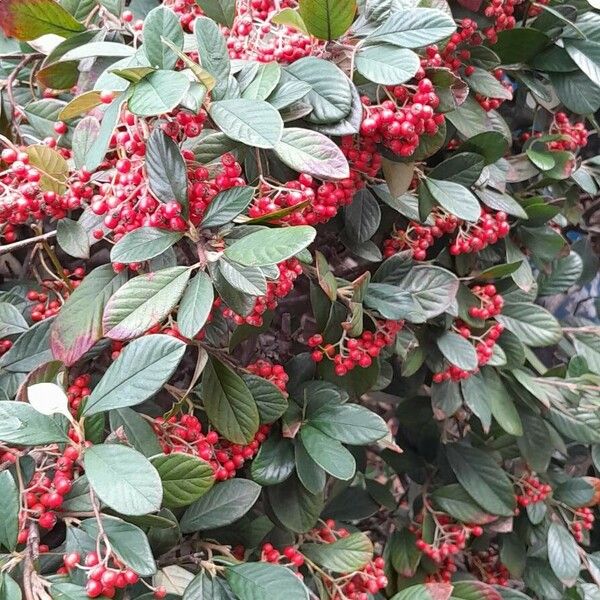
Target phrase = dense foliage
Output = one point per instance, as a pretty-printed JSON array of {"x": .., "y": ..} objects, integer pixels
[{"x": 278, "y": 309}]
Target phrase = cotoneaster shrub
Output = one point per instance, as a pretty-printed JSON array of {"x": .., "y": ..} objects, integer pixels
[{"x": 272, "y": 312}]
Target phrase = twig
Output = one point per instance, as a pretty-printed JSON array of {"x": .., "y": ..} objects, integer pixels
[
  {"x": 23, "y": 243},
  {"x": 32, "y": 553}
]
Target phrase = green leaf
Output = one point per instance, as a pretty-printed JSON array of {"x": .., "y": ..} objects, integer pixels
[
  {"x": 225, "y": 503},
  {"x": 561, "y": 275},
  {"x": 327, "y": 19},
  {"x": 11, "y": 320},
  {"x": 274, "y": 462},
  {"x": 143, "y": 244},
  {"x": 576, "y": 492},
  {"x": 143, "y": 302},
  {"x": 227, "y": 205},
  {"x": 483, "y": 479},
  {"x": 349, "y": 423},
  {"x": 269, "y": 398},
  {"x": 94, "y": 50},
  {"x": 206, "y": 587},
  {"x": 484, "y": 83},
  {"x": 520, "y": 45},
  {"x": 84, "y": 137},
  {"x": 455, "y": 198},
  {"x": 576, "y": 92},
  {"x": 532, "y": 324},
  {"x": 313, "y": 153},
  {"x": 270, "y": 246},
  {"x": 588, "y": 346},
  {"x": 123, "y": 479},
  {"x": 455, "y": 500},
  {"x": 140, "y": 371},
  {"x": 328, "y": 453},
  {"x": 137, "y": 430},
  {"x": 345, "y": 555},
  {"x": 158, "y": 93},
  {"x": 362, "y": 217},
  {"x": 403, "y": 552},
  {"x": 586, "y": 55},
  {"x": 67, "y": 591},
  {"x": 253, "y": 122},
  {"x": 463, "y": 168},
  {"x": 415, "y": 28},
  {"x": 30, "y": 19},
  {"x": 31, "y": 349},
  {"x": 78, "y": 326},
  {"x": 258, "y": 581},
  {"x": 214, "y": 57},
  {"x": 424, "y": 293},
  {"x": 293, "y": 506},
  {"x": 72, "y": 238},
  {"x": 93, "y": 154},
  {"x": 310, "y": 474},
  {"x": 128, "y": 541},
  {"x": 291, "y": 18},
  {"x": 229, "y": 403},
  {"x": 387, "y": 64},
  {"x": 196, "y": 305},
  {"x": 264, "y": 82},
  {"x": 9, "y": 511},
  {"x": 162, "y": 22},
  {"x": 22, "y": 425},
  {"x": 330, "y": 95},
  {"x": 458, "y": 350},
  {"x": 500, "y": 402},
  {"x": 184, "y": 478},
  {"x": 166, "y": 169},
  {"x": 563, "y": 554},
  {"x": 221, "y": 11},
  {"x": 492, "y": 145}
]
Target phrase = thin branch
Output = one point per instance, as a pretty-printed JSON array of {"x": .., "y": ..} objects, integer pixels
[{"x": 23, "y": 243}]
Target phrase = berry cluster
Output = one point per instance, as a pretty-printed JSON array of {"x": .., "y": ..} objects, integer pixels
[
  {"x": 575, "y": 136},
  {"x": 45, "y": 493},
  {"x": 583, "y": 520},
  {"x": 502, "y": 14},
  {"x": 474, "y": 237},
  {"x": 184, "y": 434},
  {"x": 349, "y": 352},
  {"x": 531, "y": 490},
  {"x": 44, "y": 306},
  {"x": 22, "y": 198},
  {"x": 289, "y": 271},
  {"x": 274, "y": 373},
  {"x": 352, "y": 586},
  {"x": 77, "y": 391},
  {"x": 419, "y": 238},
  {"x": 491, "y": 302},
  {"x": 456, "y": 54},
  {"x": 484, "y": 347},
  {"x": 487, "y": 567},
  {"x": 127, "y": 203},
  {"x": 317, "y": 203},
  {"x": 399, "y": 124},
  {"x": 104, "y": 576},
  {"x": 289, "y": 556},
  {"x": 449, "y": 539},
  {"x": 254, "y": 35}
]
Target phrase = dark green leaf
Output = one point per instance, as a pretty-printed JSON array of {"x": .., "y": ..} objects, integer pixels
[
  {"x": 225, "y": 503},
  {"x": 123, "y": 479},
  {"x": 140, "y": 371}
]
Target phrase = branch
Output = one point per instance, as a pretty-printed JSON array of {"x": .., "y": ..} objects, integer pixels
[{"x": 23, "y": 243}]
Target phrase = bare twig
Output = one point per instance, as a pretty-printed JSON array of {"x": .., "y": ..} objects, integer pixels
[{"x": 23, "y": 243}]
